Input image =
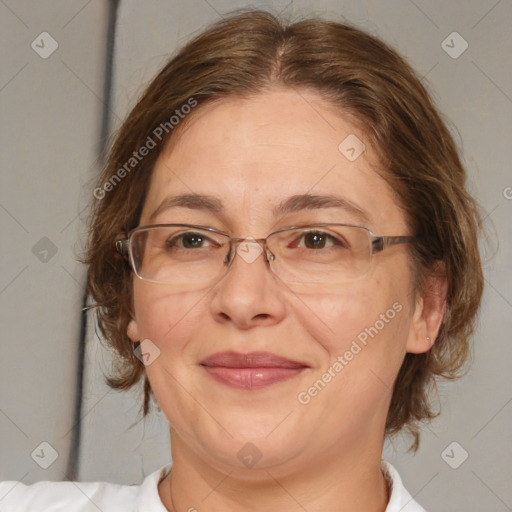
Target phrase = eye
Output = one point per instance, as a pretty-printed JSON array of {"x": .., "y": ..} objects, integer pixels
[
  {"x": 320, "y": 240},
  {"x": 188, "y": 240}
]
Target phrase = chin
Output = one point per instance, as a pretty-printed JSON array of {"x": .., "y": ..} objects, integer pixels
[{"x": 249, "y": 451}]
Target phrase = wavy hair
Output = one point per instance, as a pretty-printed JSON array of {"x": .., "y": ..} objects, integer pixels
[{"x": 251, "y": 51}]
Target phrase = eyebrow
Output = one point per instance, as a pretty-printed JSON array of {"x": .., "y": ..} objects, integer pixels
[
  {"x": 315, "y": 201},
  {"x": 292, "y": 204},
  {"x": 191, "y": 201}
]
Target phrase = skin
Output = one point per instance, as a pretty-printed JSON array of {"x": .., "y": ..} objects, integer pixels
[{"x": 325, "y": 455}]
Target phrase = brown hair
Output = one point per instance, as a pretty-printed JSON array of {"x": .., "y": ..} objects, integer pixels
[{"x": 246, "y": 53}]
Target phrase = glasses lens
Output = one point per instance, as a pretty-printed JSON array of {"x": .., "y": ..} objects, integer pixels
[
  {"x": 178, "y": 255},
  {"x": 321, "y": 255}
]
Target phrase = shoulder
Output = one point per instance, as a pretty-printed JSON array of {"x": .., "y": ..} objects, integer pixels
[
  {"x": 400, "y": 499},
  {"x": 83, "y": 496}
]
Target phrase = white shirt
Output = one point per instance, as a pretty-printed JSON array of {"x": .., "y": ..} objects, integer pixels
[{"x": 105, "y": 497}]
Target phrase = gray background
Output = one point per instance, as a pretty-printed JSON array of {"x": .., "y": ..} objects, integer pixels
[{"x": 51, "y": 110}]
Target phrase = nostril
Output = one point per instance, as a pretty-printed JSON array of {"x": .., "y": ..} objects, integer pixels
[{"x": 262, "y": 316}]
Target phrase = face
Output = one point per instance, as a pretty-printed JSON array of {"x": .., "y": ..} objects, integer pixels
[{"x": 253, "y": 154}]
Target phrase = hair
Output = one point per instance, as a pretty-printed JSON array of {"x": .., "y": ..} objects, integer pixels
[{"x": 247, "y": 53}]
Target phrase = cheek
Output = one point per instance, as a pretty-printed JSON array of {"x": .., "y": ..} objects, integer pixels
[
  {"x": 167, "y": 318},
  {"x": 366, "y": 323},
  {"x": 361, "y": 353}
]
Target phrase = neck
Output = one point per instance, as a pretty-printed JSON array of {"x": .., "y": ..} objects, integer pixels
[{"x": 351, "y": 482}]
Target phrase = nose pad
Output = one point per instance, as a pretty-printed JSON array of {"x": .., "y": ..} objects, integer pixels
[{"x": 249, "y": 249}]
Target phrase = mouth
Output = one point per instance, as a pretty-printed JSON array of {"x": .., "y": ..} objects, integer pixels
[{"x": 251, "y": 371}]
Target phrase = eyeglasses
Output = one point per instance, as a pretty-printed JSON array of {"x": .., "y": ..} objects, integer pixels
[{"x": 185, "y": 255}]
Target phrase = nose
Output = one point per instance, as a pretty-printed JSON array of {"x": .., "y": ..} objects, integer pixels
[{"x": 248, "y": 294}]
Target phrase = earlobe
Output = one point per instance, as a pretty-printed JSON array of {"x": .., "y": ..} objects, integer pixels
[
  {"x": 429, "y": 312},
  {"x": 133, "y": 331}
]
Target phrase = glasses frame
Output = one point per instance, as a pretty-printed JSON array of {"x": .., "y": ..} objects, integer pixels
[{"x": 377, "y": 243}]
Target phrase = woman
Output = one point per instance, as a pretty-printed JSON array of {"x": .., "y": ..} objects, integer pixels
[{"x": 283, "y": 249}]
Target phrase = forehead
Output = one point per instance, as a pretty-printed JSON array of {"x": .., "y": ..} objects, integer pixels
[{"x": 254, "y": 153}]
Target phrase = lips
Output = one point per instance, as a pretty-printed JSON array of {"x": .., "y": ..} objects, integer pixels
[{"x": 250, "y": 371}]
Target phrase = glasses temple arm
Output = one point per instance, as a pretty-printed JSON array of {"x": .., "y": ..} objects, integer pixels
[{"x": 382, "y": 242}]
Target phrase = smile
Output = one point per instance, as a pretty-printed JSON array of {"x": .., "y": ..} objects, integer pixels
[{"x": 251, "y": 371}]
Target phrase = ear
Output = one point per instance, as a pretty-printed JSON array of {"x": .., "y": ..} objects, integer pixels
[
  {"x": 429, "y": 311},
  {"x": 133, "y": 330}
]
